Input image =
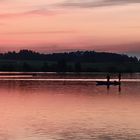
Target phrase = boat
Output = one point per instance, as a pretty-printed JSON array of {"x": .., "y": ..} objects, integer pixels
[{"x": 101, "y": 83}]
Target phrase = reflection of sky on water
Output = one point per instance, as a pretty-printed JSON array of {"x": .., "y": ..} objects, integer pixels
[{"x": 38, "y": 110}]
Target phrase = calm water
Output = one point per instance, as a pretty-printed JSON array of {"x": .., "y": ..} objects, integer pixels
[{"x": 68, "y": 110}]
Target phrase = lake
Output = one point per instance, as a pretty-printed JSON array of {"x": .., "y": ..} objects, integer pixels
[{"x": 48, "y": 106}]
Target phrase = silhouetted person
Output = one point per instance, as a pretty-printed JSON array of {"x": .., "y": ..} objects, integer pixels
[
  {"x": 108, "y": 78},
  {"x": 119, "y": 77}
]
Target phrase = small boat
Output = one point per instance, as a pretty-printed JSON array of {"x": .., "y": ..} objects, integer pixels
[{"x": 102, "y": 83}]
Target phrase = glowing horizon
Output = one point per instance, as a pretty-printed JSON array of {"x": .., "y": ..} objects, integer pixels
[{"x": 70, "y": 25}]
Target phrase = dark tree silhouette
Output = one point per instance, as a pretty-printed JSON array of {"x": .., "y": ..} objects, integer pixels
[
  {"x": 80, "y": 61},
  {"x": 26, "y": 67},
  {"x": 45, "y": 67},
  {"x": 62, "y": 65},
  {"x": 79, "y": 56},
  {"x": 78, "y": 67}
]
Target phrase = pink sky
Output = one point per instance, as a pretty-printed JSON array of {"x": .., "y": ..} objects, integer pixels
[{"x": 61, "y": 25}]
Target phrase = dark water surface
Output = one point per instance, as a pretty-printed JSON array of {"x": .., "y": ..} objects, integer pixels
[{"x": 68, "y": 110}]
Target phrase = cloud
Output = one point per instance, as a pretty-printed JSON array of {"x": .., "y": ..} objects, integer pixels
[
  {"x": 95, "y": 3},
  {"x": 39, "y": 32},
  {"x": 39, "y": 12}
]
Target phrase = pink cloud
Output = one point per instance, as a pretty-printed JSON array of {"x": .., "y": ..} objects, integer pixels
[
  {"x": 93, "y": 3},
  {"x": 39, "y": 12},
  {"x": 40, "y": 32}
]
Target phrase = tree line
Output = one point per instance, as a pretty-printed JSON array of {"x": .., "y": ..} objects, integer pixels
[
  {"x": 79, "y": 56},
  {"x": 80, "y": 61}
]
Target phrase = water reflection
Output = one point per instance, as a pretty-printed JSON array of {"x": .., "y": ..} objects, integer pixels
[
  {"x": 119, "y": 88},
  {"x": 40, "y": 110}
]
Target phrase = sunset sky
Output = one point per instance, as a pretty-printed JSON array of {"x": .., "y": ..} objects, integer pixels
[{"x": 64, "y": 25}]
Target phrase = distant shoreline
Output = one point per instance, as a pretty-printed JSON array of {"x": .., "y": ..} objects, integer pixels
[{"x": 72, "y": 62}]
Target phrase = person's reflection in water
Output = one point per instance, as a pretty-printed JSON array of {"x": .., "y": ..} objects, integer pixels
[
  {"x": 108, "y": 86},
  {"x": 119, "y": 88}
]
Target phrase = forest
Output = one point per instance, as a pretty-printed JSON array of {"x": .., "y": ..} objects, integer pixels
[{"x": 79, "y": 61}]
